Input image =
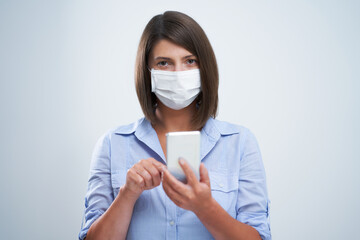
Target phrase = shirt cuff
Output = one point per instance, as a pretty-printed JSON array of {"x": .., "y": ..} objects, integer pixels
[
  {"x": 90, "y": 217},
  {"x": 259, "y": 221}
]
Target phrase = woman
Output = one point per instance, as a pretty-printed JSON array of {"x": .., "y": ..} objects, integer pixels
[{"x": 132, "y": 195}]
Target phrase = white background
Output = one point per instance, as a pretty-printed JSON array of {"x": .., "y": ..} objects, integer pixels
[{"x": 289, "y": 71}]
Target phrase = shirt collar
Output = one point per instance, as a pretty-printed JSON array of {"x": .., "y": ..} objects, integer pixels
[
  {"x": 210, "y": 134},
  {"x": 147, "y": 134}
]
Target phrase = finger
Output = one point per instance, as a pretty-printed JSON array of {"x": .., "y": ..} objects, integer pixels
[
  {"x": 154, "y": 172},
  {"x": 140, "y": 170},
  {"x": 157, "y": 164},
  {"x": 172, "y": 194},
  {"x": 204, "y": 174},
  {"x": 135, "y": 179},
  {"x": 189, "y": 173},
  {"x": 175, "y": 184}
]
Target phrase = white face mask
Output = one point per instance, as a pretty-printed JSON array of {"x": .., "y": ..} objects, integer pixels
[{"x": 176, "y": 89}]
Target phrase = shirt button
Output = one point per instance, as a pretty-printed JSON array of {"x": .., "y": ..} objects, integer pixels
[
  {"x": 221, "y": 185},
  {"x": 172, "y": 223}
]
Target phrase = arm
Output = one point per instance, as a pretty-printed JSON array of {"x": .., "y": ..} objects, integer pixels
[
  {"x": 196, "y": 196},
  {"x": 114, "y": 223},
  {"x": 253, "y": 202},
  {"x": 222, "y": 226},
  {"x": 106, "y": 217}
]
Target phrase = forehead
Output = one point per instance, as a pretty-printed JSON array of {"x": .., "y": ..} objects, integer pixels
[{"x": 166, "y": 48}]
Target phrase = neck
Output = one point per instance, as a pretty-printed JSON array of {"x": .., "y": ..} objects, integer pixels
[{"x": 170, "y": 120}]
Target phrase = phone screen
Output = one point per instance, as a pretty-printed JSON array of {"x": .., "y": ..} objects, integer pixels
[{"x": 184, "y": 145}]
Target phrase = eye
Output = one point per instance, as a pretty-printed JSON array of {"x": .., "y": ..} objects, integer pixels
[
  {"x": 191, "y": 61},
  {"x": 162, "y": 64}
]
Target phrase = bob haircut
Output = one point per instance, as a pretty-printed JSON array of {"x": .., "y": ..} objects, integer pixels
[{"x": 187, "y": 33}]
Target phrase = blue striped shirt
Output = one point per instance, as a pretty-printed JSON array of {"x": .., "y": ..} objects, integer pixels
[{"x": 237, "y": 177}]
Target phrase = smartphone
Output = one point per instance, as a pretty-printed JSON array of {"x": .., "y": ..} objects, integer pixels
[{"x": 184, "y": 145}]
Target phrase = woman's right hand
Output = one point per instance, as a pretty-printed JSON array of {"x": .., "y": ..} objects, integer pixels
[{"x": 144, "y": 175}]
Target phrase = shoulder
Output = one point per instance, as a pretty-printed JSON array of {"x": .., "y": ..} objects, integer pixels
[
  {"x": 124, "y": 130},
  {"x": 227, "y": 128},
  {"x": 127, "y": 129},
  {"x": 240, "y": 132}
]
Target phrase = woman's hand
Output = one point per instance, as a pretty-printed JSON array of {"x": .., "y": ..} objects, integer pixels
[
  {"x": 194, "y": 195},
  {"x": 144, "y": 175}
]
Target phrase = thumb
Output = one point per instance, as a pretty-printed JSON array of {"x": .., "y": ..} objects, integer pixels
[{"x": 204, "y": 175}]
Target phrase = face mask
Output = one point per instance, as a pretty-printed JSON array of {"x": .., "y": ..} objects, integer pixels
[{"x": 176, "y": 89}]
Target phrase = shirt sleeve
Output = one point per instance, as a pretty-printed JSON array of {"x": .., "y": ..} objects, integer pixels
[
  {"x": 99, "y": 195},
  {"x": 253, "y": 202}
]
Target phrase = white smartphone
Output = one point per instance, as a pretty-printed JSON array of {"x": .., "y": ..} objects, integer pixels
[{"x": 184, "y": 145}]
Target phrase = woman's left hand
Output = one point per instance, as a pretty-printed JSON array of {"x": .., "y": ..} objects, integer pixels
[{"x": 195, "y": 195}]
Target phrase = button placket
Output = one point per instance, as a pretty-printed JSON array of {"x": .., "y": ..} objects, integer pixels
[{"x": 171, "y": 216}]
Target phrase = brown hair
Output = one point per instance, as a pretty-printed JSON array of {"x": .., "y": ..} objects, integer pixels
[{"x": 184, "y": 31}]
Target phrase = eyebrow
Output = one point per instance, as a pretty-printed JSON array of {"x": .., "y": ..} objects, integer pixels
[{"x": 166, "y": 58}]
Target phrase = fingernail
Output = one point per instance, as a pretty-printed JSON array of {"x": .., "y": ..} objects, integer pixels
[{"x": 181, "y": 161}]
